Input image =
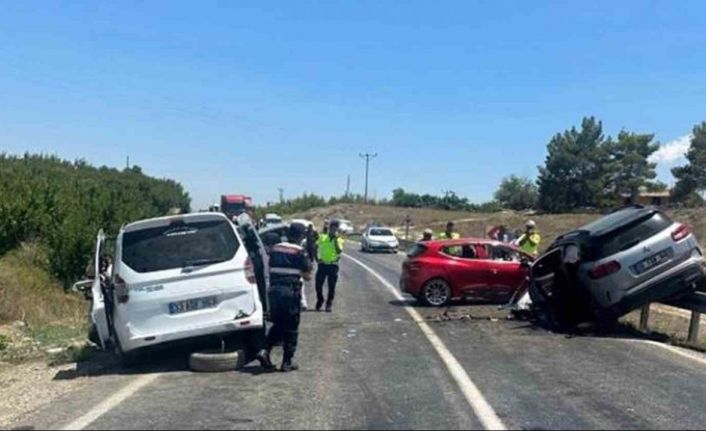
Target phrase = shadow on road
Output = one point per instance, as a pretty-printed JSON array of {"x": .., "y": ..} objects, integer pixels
[{"x": 168, "y": 359}]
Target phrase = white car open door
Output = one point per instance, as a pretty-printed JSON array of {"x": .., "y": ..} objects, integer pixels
[
  {"x": 99, "y": 315},
  {"x": 258, "y": 256}
]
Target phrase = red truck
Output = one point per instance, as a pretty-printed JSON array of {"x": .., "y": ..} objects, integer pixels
[{"x": 234, "y": 205}]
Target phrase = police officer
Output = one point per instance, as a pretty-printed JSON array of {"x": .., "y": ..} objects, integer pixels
[
  {"x": 330, "y": 249},
  {"x": 529, "y": 242},
  {"x": 288, "y": 265},
  {"x": 449, "y": 232}
]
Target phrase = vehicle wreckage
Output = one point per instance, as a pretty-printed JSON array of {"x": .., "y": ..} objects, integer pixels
[{"x": 610, "y": 267}]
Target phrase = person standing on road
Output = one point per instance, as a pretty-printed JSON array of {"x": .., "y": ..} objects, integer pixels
[
  {"x": 309, "y": 244},
  {"x": 449, "y": 232},
  {"x": 289, "y": 264},
  {"x": 498, "y": 233},
  {"x": 330, "y": 249},
  {"x": 428, "y": 235},
  {"x": 529, "y": 241}
]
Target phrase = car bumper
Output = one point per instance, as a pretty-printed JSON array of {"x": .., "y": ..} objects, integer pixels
[
  {"x": 382, "y": 247},
  {"x": 130, "y": 341},
  {"x": 680, "y": 279}
]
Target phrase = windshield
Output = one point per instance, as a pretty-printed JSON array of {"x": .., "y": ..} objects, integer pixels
[
  {"x": 170, "y": 247},
  {"x": 233, "y": 208},
  {"x": 381, "y": 232}
]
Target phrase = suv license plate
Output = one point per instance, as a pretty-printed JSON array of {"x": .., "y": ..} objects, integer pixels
[
  {"x": 192, "y": 305},
  {"x": 652, "y": 261}
]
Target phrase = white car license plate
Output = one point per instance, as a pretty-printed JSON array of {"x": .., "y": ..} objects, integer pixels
[
  {"x": 192, "y": 305},
  {"x": 653, "y": 261}
]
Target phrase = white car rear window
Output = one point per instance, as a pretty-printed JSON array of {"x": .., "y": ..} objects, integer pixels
[{"x": 179, "y": 245}]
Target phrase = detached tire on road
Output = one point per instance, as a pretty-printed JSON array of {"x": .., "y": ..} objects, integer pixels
[{"x": 213, "y": 361}]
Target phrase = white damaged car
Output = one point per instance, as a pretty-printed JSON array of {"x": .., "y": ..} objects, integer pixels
[{"x": 177, "y": 278}]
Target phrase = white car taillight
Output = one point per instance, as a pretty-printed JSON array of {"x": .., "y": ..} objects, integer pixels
[
  {"x": 250, "y": 271},
  {"x": 122, "y": 293}
]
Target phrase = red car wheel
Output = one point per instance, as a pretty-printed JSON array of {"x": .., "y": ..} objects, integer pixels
[{"x": 436, "y": 293}]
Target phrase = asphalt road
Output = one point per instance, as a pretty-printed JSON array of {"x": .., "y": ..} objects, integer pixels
[{"x": 370, "y": 365}]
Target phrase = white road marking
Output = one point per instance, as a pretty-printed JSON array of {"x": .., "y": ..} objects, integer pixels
[
  {"x": 676, "y": 350},
  {"x": 483, "y": 410},
  {"x": 111, "y": 402}
]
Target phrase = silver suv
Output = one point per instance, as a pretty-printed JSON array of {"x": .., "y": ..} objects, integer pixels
[{"x": 616, "y": 264}]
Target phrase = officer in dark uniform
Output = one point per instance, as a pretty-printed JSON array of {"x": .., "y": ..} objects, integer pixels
[{"x": 289, "y": 264}]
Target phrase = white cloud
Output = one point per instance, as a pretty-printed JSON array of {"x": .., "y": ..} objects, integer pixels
[{"x": 672, "y": 152}]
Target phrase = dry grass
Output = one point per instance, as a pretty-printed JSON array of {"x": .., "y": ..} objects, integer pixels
[
  {"x": 476, "y": 224},
  {"x": 29, "y": 294}
]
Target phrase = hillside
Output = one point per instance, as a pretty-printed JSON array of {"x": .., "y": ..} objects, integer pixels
[
  {"x": 474, "y": 224},
  {"x": 61, "y": 204}
]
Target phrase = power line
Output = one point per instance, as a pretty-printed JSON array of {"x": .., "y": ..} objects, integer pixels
[{"x": 367, "y": 157}]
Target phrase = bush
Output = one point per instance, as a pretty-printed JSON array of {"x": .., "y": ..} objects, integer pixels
[{"x": 63, "y": 204}]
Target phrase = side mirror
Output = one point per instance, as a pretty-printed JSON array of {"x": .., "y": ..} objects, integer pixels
[{"x": 84, "y": 286}]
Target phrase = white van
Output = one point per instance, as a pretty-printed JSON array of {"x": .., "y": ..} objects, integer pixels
[{"x": 176, "y": 278}]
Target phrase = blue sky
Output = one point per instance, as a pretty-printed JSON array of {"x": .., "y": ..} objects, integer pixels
[{"x": 237, "y": 96}]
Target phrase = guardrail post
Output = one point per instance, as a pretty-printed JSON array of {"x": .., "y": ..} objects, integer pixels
[
  {"x": 694, "y": 327},
  {"x": 644, "y": 318}
]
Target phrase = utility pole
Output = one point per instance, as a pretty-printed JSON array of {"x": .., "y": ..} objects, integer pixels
[
  {"x": 127, "y": 162},
  {"x": 281, "y": 195},
  {"x": 367, "y": 157},
  {"x": 348, "y": 186},
  {"x": 407, "y": 222}
]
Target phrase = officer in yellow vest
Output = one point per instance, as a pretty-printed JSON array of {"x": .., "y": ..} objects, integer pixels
[
  {"x": 529, "y": 242},
  {"x": 449, "y": 232},
  {"x": 330, "y": 248}
]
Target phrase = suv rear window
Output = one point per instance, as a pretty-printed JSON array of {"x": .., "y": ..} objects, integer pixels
[
  {"x": 176, "y": 246},
  {"x": 632, "y": 235}
]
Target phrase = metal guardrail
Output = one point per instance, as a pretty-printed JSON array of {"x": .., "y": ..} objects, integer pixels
[{"x": 696, "y": 303}]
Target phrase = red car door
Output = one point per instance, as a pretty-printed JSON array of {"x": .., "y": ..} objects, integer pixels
[
  {"x": 467, "y": 273},
  {"x": 506, "y": 270}
]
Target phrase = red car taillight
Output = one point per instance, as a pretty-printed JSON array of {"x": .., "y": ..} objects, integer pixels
[
  {"x": 410, "y": 267},
  {"x": 122, "y": 293},
  {"x": 605, "y": 270},
  {"x": 250, "y": 271},
  {"x": 682, "y": 232}
]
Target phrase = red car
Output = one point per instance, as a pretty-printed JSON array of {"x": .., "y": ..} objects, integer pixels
[{"x": 437, "y": 272}]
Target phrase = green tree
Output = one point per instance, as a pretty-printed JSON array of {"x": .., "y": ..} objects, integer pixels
[
  {"x": 517, "y": 193},
  {"x": 61, "y": 205},
  {"x": 577, "y": 169},
  {"x": 629, "y": 160},
  {"x": 691, "y": 179}
]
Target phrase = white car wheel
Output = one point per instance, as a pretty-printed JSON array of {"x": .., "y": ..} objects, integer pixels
[{"x": 214, "y": 361}]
